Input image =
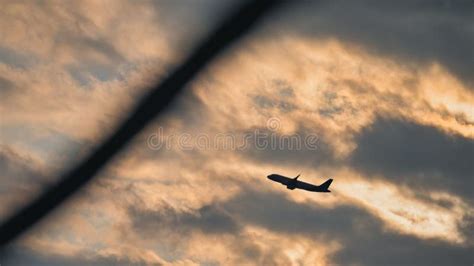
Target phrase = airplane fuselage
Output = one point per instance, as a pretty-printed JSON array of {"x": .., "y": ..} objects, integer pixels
[{"x": 292, "y": 183}]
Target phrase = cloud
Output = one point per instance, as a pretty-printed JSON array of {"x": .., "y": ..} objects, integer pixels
[
  {"x": 305, "y": 147},
  {"x": 275, "y": 215},
  {"x": 416, "y": 31},
  {"x": 6, "y": 86},
  {"x": 354, "y": 79},
  {"x": 25, "y": 256},
  {"x": 422, "y": 157},
  {"x": 346, "y": 224},
  {"x": 21, "y": 177},
  {"x": 210, "y": 219},
  {"x": 15, "y": 59}
]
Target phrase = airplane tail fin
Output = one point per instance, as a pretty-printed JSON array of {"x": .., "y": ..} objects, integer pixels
[{"x": 325, "y": 185}]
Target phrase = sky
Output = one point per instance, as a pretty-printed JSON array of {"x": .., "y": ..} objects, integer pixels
[{"x": 378, "y": 95}]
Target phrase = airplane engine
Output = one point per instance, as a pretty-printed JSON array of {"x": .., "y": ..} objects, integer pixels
[{"x": 291, "y": 187}]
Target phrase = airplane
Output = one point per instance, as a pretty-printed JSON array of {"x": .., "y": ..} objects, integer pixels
[{"x": 292, "y": 183}]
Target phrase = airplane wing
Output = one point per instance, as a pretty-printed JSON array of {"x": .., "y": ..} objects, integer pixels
[{"x": 306, "y": 186}]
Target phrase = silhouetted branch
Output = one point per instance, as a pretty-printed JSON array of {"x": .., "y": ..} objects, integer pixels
[{"x": 148, "y": 108}]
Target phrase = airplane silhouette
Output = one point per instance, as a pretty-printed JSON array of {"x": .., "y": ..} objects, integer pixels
[{"x": 292, "y": 183}]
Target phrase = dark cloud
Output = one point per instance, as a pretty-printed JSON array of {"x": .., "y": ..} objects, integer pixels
[
  {"x": 99, "y": 45},
  {"x": 88, "y": 66},
  {"x": 281, "y": 100},
  {"x": 171, "y": 225},
  {"x": 416, "y": 155},
  {"x": 416, "y": 31},
  {"x": 263, "y": 102},
  {"x": 57, "y": 147},
  {"x": 84, "y": 72},
  {"x": 267, "y": 103},
  {"x": 20, "y": 255},
  {"x": 364, "y": 239},
  {"x": 305, "y": 147},
  {"x": 335, "y": 104},
  {"x": 284, "y": 89},
  {"x": 16, "y": 169},
  {"x": 208, "y": 219},
  {"x": 6, "y": 86},
  {"x": 18, "y": 176},
  {"x": 16, "y": 59}
]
